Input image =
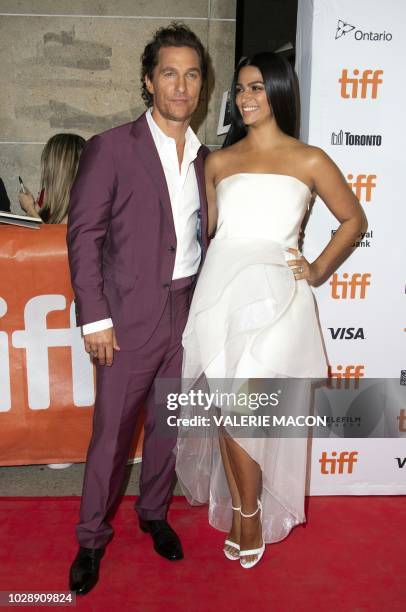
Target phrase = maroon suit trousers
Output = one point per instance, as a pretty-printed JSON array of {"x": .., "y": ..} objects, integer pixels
[{"x": 121, "y": 391}]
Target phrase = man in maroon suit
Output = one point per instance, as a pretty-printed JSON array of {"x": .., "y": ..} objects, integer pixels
[{"x": 137, "y": 232}]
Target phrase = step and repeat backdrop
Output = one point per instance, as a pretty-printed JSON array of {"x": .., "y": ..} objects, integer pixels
[
  {"x": 47, "y": 385},
  {"x": 350, "y": 66},
  {"x": 350, "y": 63}
]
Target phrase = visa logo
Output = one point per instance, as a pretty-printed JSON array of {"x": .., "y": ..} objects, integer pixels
[{"x": 347, "y": 333}]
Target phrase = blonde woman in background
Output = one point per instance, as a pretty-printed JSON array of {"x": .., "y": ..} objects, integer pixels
[{"x": 59, "y": 164}]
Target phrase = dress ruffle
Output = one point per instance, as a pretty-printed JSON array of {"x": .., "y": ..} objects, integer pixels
[
  {"x": 249, "y": 319},
  {"x": 253, "y": 290}
]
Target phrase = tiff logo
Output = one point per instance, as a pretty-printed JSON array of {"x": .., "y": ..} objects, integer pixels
[
  {"x": 345, "y": 462},
  {"x": 348, "y": 373},
  {"x": 358, "y": 87},
  {"x": 36, "y": 339},
  {"x": 401, "y": 462},
  {"x": 402, "y": 420},
  {"x": 349, "y": 289},
  {"x": 362, "y": 185}
]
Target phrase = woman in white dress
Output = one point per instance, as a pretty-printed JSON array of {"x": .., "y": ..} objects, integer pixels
[{"x": 253, "y": 313}]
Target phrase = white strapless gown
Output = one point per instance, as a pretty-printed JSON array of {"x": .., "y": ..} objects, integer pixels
[{"x": 250, "y": 318}]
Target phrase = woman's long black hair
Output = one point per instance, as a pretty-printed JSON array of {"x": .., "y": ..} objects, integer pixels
[{"x": 281, "y": 90}]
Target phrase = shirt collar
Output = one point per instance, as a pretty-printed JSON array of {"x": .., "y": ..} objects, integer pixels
[{"x": 192, "y": 143}]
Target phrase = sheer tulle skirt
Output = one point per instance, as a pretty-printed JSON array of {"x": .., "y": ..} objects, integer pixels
[{"x": 249, "y": 319}]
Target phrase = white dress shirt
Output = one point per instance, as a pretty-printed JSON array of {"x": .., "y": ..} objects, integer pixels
[{"x": 185, "y": 203}]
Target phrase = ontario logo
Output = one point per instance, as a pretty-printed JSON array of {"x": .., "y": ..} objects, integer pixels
[{"x": 344, "y": 28}]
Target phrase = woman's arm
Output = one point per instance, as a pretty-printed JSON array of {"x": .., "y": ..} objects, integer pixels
[
  {"x": 331, "y": 186},
  {"x": 210, "y": 173}
]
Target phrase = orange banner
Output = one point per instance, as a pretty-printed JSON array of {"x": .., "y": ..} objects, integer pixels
[{"x": 46, "y": 376}]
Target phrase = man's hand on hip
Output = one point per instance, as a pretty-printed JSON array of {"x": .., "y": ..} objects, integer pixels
[{"x": 100, "y": 345}]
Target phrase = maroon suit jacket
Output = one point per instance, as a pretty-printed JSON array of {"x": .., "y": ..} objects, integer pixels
[{"x": 121, "y": 236}]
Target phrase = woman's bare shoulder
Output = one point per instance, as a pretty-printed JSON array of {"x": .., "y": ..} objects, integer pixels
[
  {"x": 309, "y": 152},
  {"x": 310, "y": 156},
  {"x": 220, "y": 158}
]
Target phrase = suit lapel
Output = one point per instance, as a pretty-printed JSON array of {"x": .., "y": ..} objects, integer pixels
[{"x": 147, "y": 153}]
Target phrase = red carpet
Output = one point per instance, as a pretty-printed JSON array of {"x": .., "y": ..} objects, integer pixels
[{"x": 350, "y": 556}]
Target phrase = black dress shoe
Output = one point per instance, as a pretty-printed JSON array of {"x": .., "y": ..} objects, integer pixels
[
  {"x": 166, "y": 542},
  {"x": 84, "y": 572}
]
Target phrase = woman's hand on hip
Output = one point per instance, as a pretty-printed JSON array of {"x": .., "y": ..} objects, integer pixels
[{"x": 301, "y": 268}]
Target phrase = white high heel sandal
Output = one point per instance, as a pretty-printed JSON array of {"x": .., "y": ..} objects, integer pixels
[
  {"x": 253, "y": 551},
  {"x": 233, "y": 544}
]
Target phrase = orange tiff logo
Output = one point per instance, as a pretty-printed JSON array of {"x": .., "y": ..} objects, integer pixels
[
  {"x": 347, "y": 373},
  {"x": 350, "y": 288},
  {"x": 356, "y": 86},
  {"x": 345, "y": 462},
  {"x": 402, "y": 420},
  {"x": 362, "y": 185}
]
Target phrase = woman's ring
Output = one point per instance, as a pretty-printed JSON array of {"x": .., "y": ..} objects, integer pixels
[{"x": 300, "y": 269}]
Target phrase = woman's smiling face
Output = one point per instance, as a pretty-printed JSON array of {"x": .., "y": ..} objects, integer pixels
[{"x": 251, "y": 98}]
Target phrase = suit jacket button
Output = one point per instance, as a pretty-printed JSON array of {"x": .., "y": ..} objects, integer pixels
[
  {"x": 172, "y": 248},
  {"x": 166, "y": 285}
]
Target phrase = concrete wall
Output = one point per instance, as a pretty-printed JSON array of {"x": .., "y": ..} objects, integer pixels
[{"x": 73, "y": 66}]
